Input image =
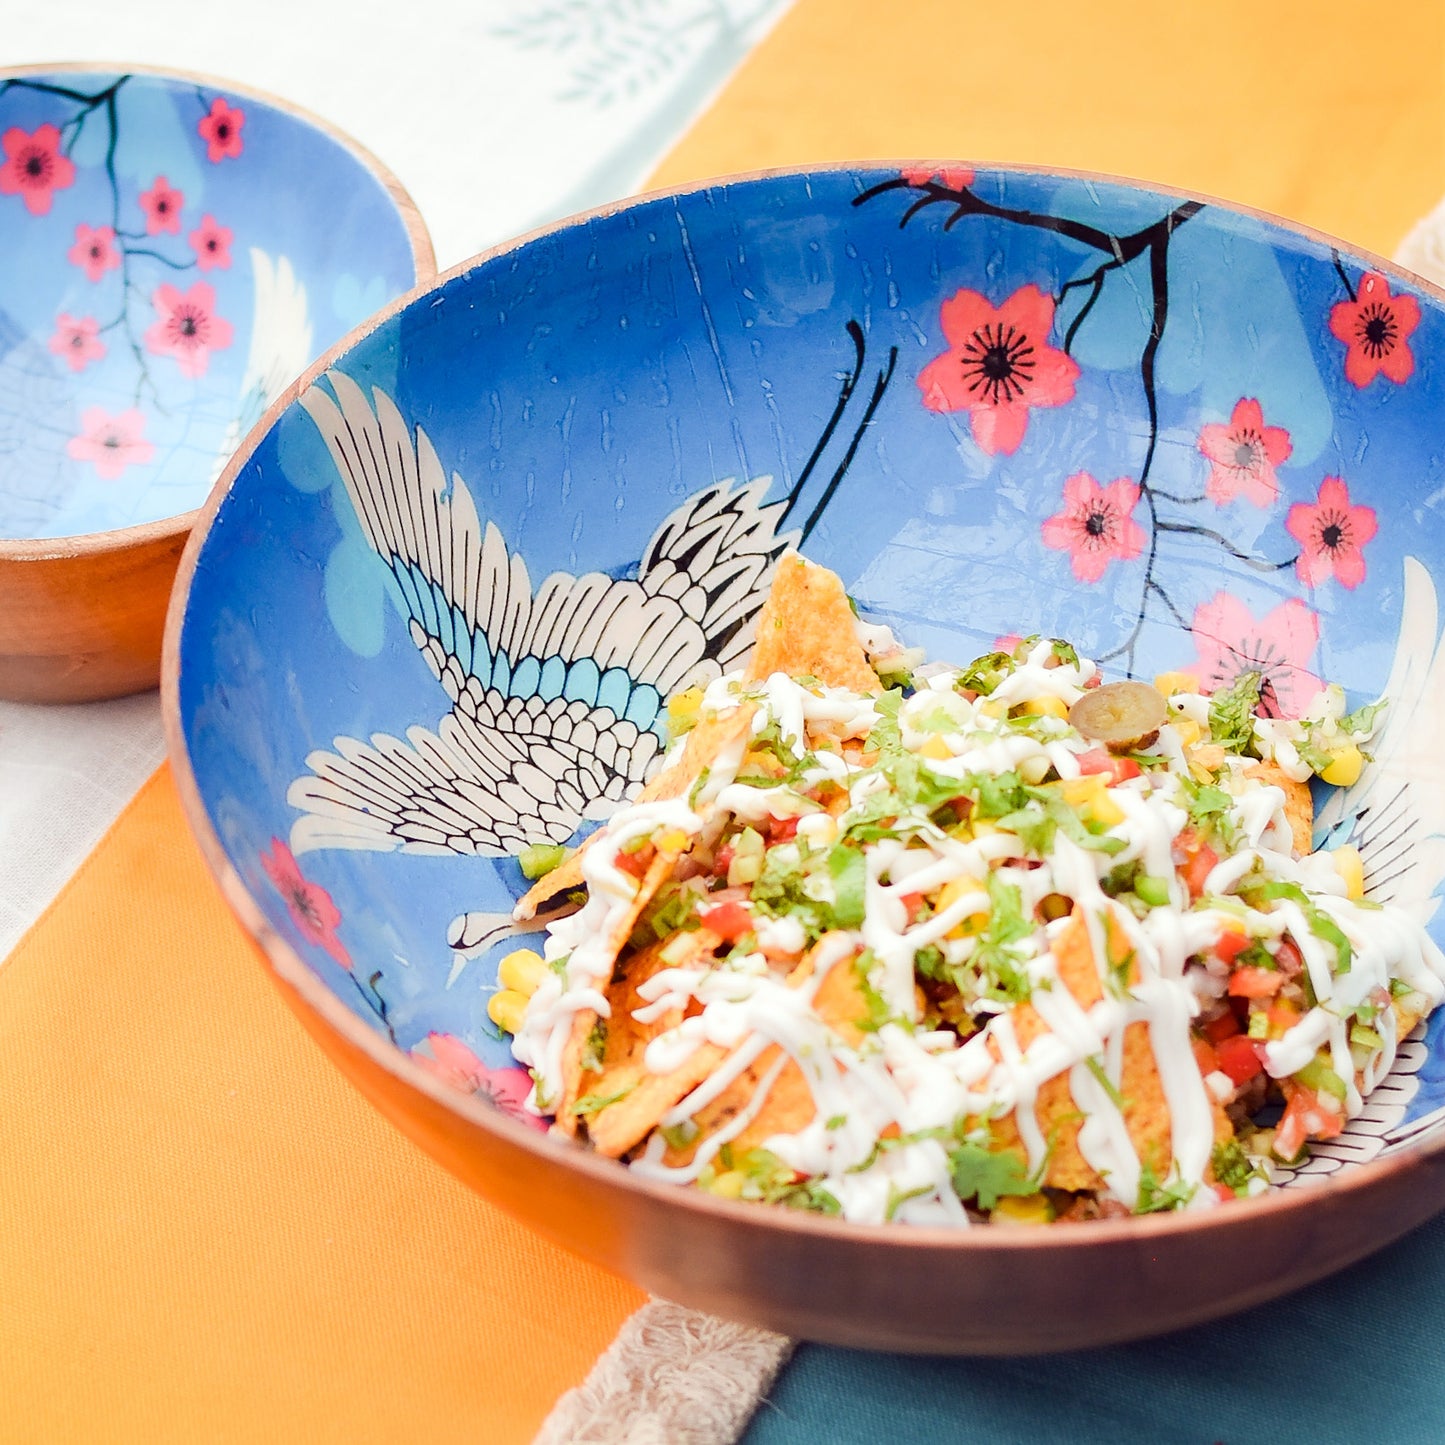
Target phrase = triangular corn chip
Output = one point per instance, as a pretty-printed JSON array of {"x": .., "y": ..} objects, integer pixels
[{"x": 807, "y": 629}]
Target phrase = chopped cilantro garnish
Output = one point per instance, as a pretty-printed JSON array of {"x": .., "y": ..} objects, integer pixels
[
  {"x": 1232, "y": 1167},
  {"x": 1363, "y": 719},
  {"x": 1156, "y": 1197},
  {"x": 985, "y": 673},
  {"x": 1096, "y": 1068},
  {"x": 596, "y": 1043},
  {"x": 595, "y": 1103},
  {"x": 986, "y": 1175},
  {"x": 885, "y": 736},
  {"x": 1231, "y": 712}
]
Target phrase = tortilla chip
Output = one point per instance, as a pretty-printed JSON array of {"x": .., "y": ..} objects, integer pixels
[
  {"x": 1299, "y": 803},
  {"x": 640, "y": 1097},
  {"x": 584, "y": 1020},
  {"x": 806, "y": 629},
  {"x": 712, "y": 735},
  {"x": 841, "y": 1004}
]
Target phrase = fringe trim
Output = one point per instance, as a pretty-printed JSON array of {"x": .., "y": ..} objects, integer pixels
[{"x": 673, "y": 1376}]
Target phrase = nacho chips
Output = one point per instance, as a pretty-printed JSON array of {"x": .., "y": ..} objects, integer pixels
[{"x": 931, "y": 953}]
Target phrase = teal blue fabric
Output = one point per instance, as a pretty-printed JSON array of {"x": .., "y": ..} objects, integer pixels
[{"x": 1357, "y": 1358}]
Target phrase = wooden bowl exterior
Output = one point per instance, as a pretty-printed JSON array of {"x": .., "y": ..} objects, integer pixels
[{"x": 81, "y": 618}]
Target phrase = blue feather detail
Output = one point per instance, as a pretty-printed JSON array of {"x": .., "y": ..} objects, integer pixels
[
  {"x": 645, "y": 707},
  {"x": 525, "y": 677},
  {"x": 583, "y": 678},
  {"x": 552, "y": 680},
  {"x": 615, "y": 691}
]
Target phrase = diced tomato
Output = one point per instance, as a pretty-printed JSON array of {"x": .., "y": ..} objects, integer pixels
[
  {"x": 782, "y": 830},
  {"x": 1205, "y": 1056},
  {"x": 1288, "y": 957},
  {"x": 1199, "y": 862},
  {"x": 1230, "y": 944},
  {"x": 1221, "y": 1027},
  {"x": 1224, "y": 1193},
  {"x": 637, "y": 862},
  {"x": 1304, "y": 1118},
  {"x": 1098, "y": 760},
  {"x": 724, "y": 860},
  {"x": 1255, "y": 982},
  {"x": 911, "y": 902},
  {"x": 728, "y": 920},
  {"x": 1239, "y": 1058}
]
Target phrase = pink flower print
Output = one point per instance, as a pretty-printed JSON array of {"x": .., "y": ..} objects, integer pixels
[
  {"x": 162, "y": 205},
  {"x": 1243, "y": 453},
  {"x": 221, "y": 131},
  {"x": 187, "y": 327},
  {"x": 76, "y": 339},
  {"x": 1096, "y": 525},
  {"x": 1331, "y": 534},
  {"x": 1375, "y": 327},
  {"x": 998, "y": 365},
  {"x": 1279, "y": 645},
  {"x": 212, "y": 244},
  {"x": 110, "y": 443},
  {"x": 953, "y": 178},
  {"x": 34, "y": 168},
  {"x": 450, "y": 1060},
  {"x": 94, "y": 250},
  {"x": 309, "y": 903}
]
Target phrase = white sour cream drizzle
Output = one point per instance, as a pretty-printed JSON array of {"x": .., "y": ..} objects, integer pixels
[{"x": 879, "y": 1102}]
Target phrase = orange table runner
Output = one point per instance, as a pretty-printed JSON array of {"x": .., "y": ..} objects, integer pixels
[{"x": 204, "y": 1233}]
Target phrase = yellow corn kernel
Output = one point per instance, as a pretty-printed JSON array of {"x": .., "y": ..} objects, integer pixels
[
  {"x": 682, "y": 710},
  {"x": 505, "y": 1009},
  {"x": 935, "y": 747},
  {"x": 1351, "y": 867},
  {"x": 1345, "y": 766},
  {"x": 1089, "y": 795},
  {"x": 521, "y": 971},
  {"x": 1046, "y": 706},
  {"x": 1187, "y": 731},
  {"x": 1022, "y": 1209},
  {"x": 729, "y": 1184},
  {"x": 1171, "y": 682},
  {"x": 992, "y": 707},
  {"x": 674, "y": 840},
  {"x": 950, "y": 893}
]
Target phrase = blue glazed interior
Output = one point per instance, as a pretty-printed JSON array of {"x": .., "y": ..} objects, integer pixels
[
  {"x": 587, "y": 384},
  {"x": 318, "y": 216}
]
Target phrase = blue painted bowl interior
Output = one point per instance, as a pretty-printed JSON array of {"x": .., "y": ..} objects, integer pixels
[
  {"x": 171, "y": 255},
  {"x": 585, "y": 385}
]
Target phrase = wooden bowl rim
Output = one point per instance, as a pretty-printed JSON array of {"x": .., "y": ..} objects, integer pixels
[{"x": 1150, "y": 1231}]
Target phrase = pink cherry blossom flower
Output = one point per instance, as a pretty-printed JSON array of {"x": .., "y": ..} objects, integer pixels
[
  {"x": 998, "y": 365},
  {"x": 1331, "y": 534},
  {"x": 447, "y": 1057},
  {"x": 1243, "y": 453},
  {"x": 110, "y": 443},
  {"x": 309, "y": 903},
  {"x": 212, "y": 244},
  {"x": 1278, "y": 645},
  {"x": 76, "y": 339},
  {"x": 34, "y": 168},
  {"x": 187, "y": 327},
  {"x": 1095, "y": 525},
  {"x": 1375, "y": 328},
  {"x": 94, "y": 250},
  {"x": 162, "y": 205},
  {"x": 953, "y": 178},
  {"x": 221, "y": 130}
]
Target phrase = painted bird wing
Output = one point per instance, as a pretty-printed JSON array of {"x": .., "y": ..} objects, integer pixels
[{"x": 1394, "y": 813}]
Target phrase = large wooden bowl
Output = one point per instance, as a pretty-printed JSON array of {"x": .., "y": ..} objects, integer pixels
[{"x": 651, "y": 399}]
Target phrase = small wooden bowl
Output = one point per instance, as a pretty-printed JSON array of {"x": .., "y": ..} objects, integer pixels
[
  {"x": 179, "y": 249},
  {"x": 81, "y": 618}
]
